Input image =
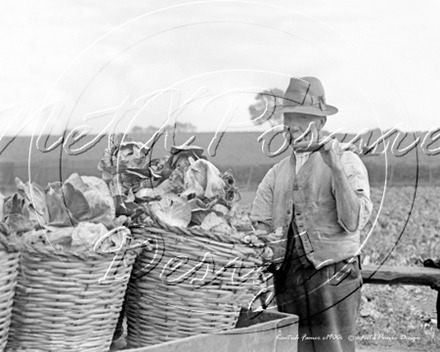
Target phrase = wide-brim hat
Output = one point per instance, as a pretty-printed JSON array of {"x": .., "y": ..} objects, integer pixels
[{"x": 306, "y": 95}]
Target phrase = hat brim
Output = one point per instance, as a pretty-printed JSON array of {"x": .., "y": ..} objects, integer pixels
[{"x": 310, "y": 110}]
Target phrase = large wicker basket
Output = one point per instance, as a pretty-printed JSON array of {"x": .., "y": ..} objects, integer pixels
[
  {"x": 192, "y": 282},
  {"x": 8, "y": 279},
  {"x": 67, "y": 301}
]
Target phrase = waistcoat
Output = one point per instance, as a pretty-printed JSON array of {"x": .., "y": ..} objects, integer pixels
[{"x": 308, "y": 199}]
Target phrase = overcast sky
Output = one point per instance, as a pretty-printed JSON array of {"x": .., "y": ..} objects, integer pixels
[{"x": 378, "y": 60}]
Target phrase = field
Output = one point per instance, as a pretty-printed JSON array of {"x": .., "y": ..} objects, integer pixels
[
  {"x": 403, "y": 230},
  {"x": 241, "y": 152},
  {"x": 406, "y": 233}
]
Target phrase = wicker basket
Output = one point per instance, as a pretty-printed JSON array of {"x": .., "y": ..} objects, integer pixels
[
  {"x": 67, "y": 301},
  {"x": 193, "y": 282},
  {"x": 8, "y": 280}
]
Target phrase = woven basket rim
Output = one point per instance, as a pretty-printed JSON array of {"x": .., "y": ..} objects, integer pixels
[
  {"x": 185, "y": 231},
  {"x": 51, "y": 251}
]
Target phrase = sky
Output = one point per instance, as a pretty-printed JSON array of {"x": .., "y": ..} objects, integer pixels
[{"x": 104, "y": 66}]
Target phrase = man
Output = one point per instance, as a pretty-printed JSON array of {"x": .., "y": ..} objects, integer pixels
[{"x": 321, "y": 201}]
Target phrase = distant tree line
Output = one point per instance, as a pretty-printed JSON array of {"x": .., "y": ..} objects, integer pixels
[
  {"x": 177, "y": 127},
  {"x": 266, "y": 108}
]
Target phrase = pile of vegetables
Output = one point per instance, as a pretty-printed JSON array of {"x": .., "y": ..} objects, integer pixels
[
  {"x": 74, "y": 215},
  {"x": 182, "y": 189}
]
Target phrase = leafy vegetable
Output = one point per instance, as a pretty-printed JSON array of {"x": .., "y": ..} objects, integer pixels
[
  {"x": 19, "y": 223},
  {"x": 172, "y": 209},
  {"x": 8, "y": 239},
  {"x": 56, "y": 237},
  {"x": 181, "y": 155},
  {"x": 149, "y": 194},
  {"x": 88, "y": 199},
  {"x": 34, "y": 206},
  {"x": 216, "y": 223},
  {"x": 13, "y": 205},
  {"x": 100, "y": 201},
  {"x": 181, "y": 189},
  {"x": 203, "y": 178},
  {"x": 82, "y": 238},
  {"x": 58, "y": 213},
  {"x": 4, "y": 229},
  {"x": 87, "y": 234},
  {"x": 79, "y": 211},
  {"x": 231, "y": 191},
  {"x": 125, "y": 165},
  {"x": 76, "y": 202}
]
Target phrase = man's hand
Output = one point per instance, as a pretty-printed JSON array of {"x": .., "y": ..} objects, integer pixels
[
  {"x": 331, "y": 154},
  {"x": 274, "y": 249}
]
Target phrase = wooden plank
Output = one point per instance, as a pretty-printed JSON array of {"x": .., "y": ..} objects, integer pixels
[
  {"x": 405, "y": 275},
  {"x": 277, "y": 331}
]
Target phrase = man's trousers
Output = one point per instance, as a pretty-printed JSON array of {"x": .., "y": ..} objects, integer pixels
[{"x": 326, "y": 300}]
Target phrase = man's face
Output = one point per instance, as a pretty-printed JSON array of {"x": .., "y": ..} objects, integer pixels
[{"x": 298, "y": 123}]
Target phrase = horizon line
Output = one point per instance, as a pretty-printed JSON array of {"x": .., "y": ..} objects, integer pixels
[{"x": 214, "y": 131}]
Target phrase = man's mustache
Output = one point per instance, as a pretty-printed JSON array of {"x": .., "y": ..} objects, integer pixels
[{"x": 306, "y": 135}]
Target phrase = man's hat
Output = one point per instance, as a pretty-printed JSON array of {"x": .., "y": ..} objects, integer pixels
[{"x": 306, "y": 95}]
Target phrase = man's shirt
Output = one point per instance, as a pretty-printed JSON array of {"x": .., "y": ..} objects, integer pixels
[{"x": 301, "y": 159}]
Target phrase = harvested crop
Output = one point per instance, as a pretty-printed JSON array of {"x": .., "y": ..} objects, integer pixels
[
  {"x": 79, "y": 211},
  {"x": 59, "y": 214},
  {"x": 81, "y": 238},
  {"x": 204, "y": 179},
  {"x": 180, "y": 189},
  {"x": 34, "y": 206},
  {"x": 214, "y": 222},
  {"x": 172, "y": 210},
  {"x": 76, "y": 202},
  {"x": 126, "y": 165},
  {"x": 19, "y": 223},
  {"x": 8, "y": 239},
  {"x": 88, "y": 199}
]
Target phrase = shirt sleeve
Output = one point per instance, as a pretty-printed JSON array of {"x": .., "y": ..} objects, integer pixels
[
  {"x": 357, "y": 175},
  {"x": 262, "y": 205}
]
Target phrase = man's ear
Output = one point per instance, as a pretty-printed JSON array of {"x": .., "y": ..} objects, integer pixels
[{"x": 321, "y": 122}]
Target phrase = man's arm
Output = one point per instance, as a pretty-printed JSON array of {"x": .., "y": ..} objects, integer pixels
[
  {"x": 261, "y": 216},
  {"x": 351, "y": 188},
  {"x": 348, "y": 204},
  {"x": 262, "y": 206}
]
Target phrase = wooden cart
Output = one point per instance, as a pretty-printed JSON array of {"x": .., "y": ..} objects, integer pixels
[{"x": 257, "y": 332}]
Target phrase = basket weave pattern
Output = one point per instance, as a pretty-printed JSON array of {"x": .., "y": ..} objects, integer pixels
[
  {"x": 60, "y": 303},
  {"x": 191, "y": 283},
  {"x": 8, "y": 280}
]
